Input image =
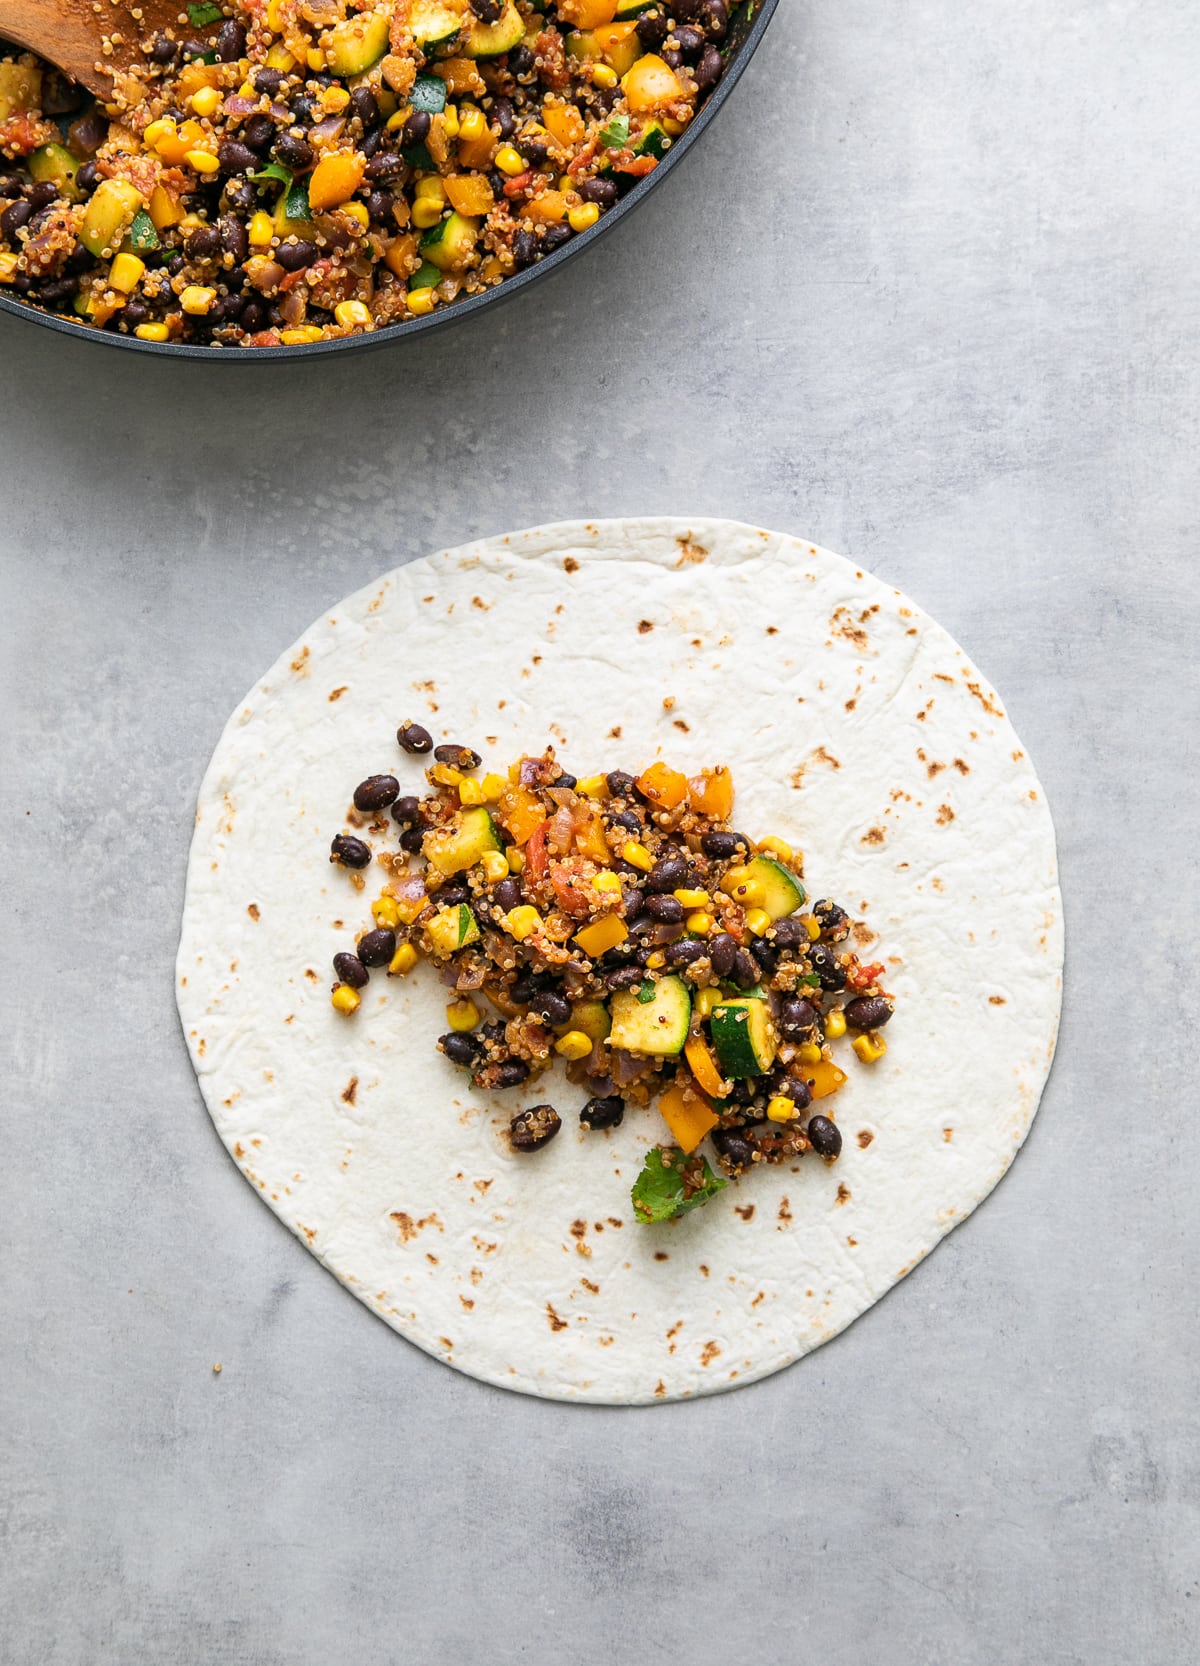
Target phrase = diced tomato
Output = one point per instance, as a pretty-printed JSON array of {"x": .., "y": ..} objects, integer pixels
[
  {"x": 536, "y": 858},
  {"x": 571, "y": 882},
  {"x": 638, "y": 168},
  {"x": 862, "y": 977}
]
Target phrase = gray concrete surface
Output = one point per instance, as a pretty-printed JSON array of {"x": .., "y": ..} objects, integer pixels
[{"x": 927, "y": 296}]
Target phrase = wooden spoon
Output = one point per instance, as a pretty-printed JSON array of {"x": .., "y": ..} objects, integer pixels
[{"x": 92, "y": 41}]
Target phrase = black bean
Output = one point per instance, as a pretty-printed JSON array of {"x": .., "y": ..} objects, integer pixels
[
  {"x": 744, "y": 972},
  {"x": 237, "y": 158},
  {"x": 365, "y": 106},
  {"x": 667, "y": 874},
  {"x": 87, "y": 178},
  {"x": 296, "y": 253},
  {"x": 89, "y": 132},
  {"x": 231, "y": 41},
  {"x": 411, "y": 840},
  {"x": 825, "y": 1137},
  {"x": 59, "y": 291},
  {"x": 689, "y": 39},
  {"x": 734, "y": 1147},
  {"x": 555, "y": 1009},
  {"x": 348, "y": 967},
  {"x": 833, "y": 921},
  {"x": 653, "y": 27},
  {"x": 722, "y": 951},
  {"x": 554, "y": 236},
  {"x": 636, "y": 922},
  {"x": 416, "y": 129},
  {"x": 788, "y": 934},
  {"x": 868, "y": 1012},
  {"x": 524, "y": 248},
  {"x": 460, "y": 1047},
  {"x": 566, "y": 779},
  {"x": 531, "y": 1129},
  {"x": 625, "y": 977},
  {"x": 254, "y": 317},
  {"x": 667, "y": 910},
  {"x": 376, "y": 792},
  {"x": 227, "y": 310},
  {"x": 238, "y": 195},
  {"x": 458, "y": 757},
  {"x": 293, "y": 149},
  {"x": 713, "y": 18},
  {"x": 526, "y": 986},
  {"x": 765, "y": 952},
  {"x": 174, "y": 263},
  {"x": 233, "y": 237},
  {"x": 258, "y": 132},
  {"x": 708, "y": 71},
  {"x": 41, "y": 194},
  {"x": 451, "y": 896},
  {"x": 377, "y": 947},
  {"x": 798, "y": 1090},
  {"x": 603, "y": 1113},
  {"x": 520, "y": 60},
  {"x": 163, "y": 50},
  {"x": 385, "y": 164},
  {"x": 600, "y": 191},
  {"x": 532, "y": 149},
  {"x": 626, "y": 819},
  {"x": 303, "y": 109},
  {"x": 14, "y": 217},
  {"x": 267, "y": 81},
  {"x": 827, "y": 966},
  {"x": 349, "y": 851},
  {"x": 684, "y": 10},
  {"x": 488, "y": 11},
  {"x": 672, "y": 57},
  {"x": 504, "y": 117},
  {"x": 685, "y": 952},
  {"x": 507, "y": 894},
  {"x": 381, "y": 206},
  {"x": 509, "y": 1073},
  {"x": 798, "y": 1018},
  {"x": 406, "y": 810},
  {"x": 743, "y": 1092},
  {"x": 413, "y": 738}
]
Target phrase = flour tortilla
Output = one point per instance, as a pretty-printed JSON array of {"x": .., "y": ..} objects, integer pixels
[{"x": 855, "y": 728}]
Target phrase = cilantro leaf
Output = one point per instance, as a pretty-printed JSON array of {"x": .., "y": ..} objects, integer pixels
[
  {"x": 616, "y": 135},
  {"x": 658, "y": 1190},
  {"x": 201, "y": 12},
  {"x": 273, "y": 170},
  {"x": 645, "y": 992}
]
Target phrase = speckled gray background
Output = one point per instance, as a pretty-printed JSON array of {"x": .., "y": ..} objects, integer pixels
[{"x": 928, "y": 296}]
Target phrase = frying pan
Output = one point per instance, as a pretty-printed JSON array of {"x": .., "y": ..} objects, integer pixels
[{"x": 748, "y": 24}]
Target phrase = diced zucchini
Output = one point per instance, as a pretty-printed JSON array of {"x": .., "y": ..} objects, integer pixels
[
  {"x": 658, "y": 1026},
  {"x": 453, "y": 928},
  {"x": 56, "y": 164},
  {"x": 764, "y": 883},
  {"x": 591, "y": 1019},
  {"x": 632, "y": 8},
  {"x": 582, "y": 43},
  {"x": 143, "y": 234},
  {"x": 493, "y": 40},
  {"x": 20, "y": 88},
  {"x": 433, "y": 24},
  {"x": 744, "y": 1037},
  {"x": 469, "y": 836},
  {"x": 653, "y": 140},
  {"x": 448, "y": 245},
  {"x": 428, "y": 95},
  {"x": 351, "y": 47},
  {"x": 109, "y": 216}
]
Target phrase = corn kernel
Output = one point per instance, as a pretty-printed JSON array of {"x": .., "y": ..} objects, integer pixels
[
  {"x": 403, "y": 961},
  {"x": 748, "y": 892},
  {"x": 671, "y": 126},
  {"x": 491, "y": 787},
  {"x": 809, "y": 1052},
  {"x": 275, "y": 16},
  {"x": 592, "y": 786},
  {"x": 152, "y": 332},
  {"x": 781, "y": 1109},
  {"x": 835, "y": 1025},
  {"x": 315, "y": 58},
  {"x": 758, "y": 921},
  {"x": 693, "y": 899},
  {"x": 8, "y": 267},
  {"x": 206, "y": 102},
  {"x": 603, "y": 76},
  {"x": 636, "y": 854},
  {"x": 462, "y": 1015},
  {"x": 521, "y": 922},
  {"x": 203, "y": 161},
  {"x": 385, "y": 913},
  {"x": 472, "y": 124},
  {"x": 301, "y": 336},
  {"x": 607, "y": 881},
  {"x": 357, "y": 211},
  {"x": 706, "y": 1000},
  {"x": 426, "y": 213},
  {"x": 334, "y": 100},
  {"x": 125, "y": 273},
  {"x": 431, "y": 187},
  {"x": 811, "y": 927},
  {"x": 700, "y": 924},
  {"x": 260, "y": 230},
  {"x": 398, "y": 118},
  {"x": 656, "y": 961},
  {"x": 353, "y": 315},
  {"x": 515, "y": 859},
  {"x": 197, "y": 299},
  {"x": 156, "y": 130},
  {"x": 494, "y": 864},
  {"x": 574, "y": 1045},
  {"x": 344, "y": 999},
  {"x": 446, "y": 775},
  {"x": 778, "y": 848},
  {"x": 584, "y": 216},
  {"x": 451, "y": 125},
  {"x": 870, "y": 1047},
  {"x": 280, "y": 58},
  {"x": 510, "y": 161},
  {"x": 470, "y": 793},
  {"x": 246, "y": 90}
]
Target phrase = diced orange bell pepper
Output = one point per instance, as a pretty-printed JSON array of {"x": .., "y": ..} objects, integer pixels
[
  {"x": 520, "y": 812},
  {"x": 651, "y": 84},
  {"x": 461, "y": 75},
  {"x": 401, "y": 255},
  {"x": 548, "y": 209},
  {"x": 590, "y": 840},
  {"x": 618, "y": 45},
  {"x": 586, "y": 14},
  {"x": 477, "y": 153},
  {"x": 704, "y": 1067},
  {"x": 711, "y": 793},
  {"x": 163, "y": 209},
  {"x": 335, "y": 179},
  {"x": 687, "y": 1113},
  {"x": 824, "y": 1078},
  {"x": 565, "y": 122},
  {"x": 195, "y": 75},
  {"x": 603, "y": 934},
  {"x": 469, "y": 193},
  {"x": 664, "y": 787}
]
